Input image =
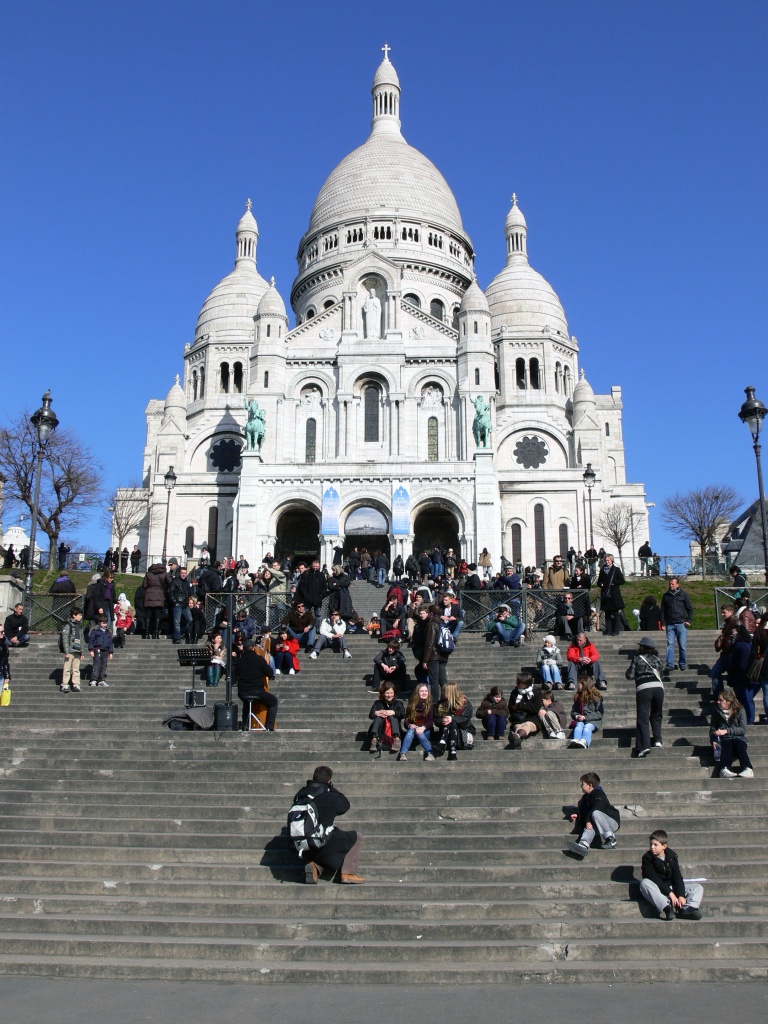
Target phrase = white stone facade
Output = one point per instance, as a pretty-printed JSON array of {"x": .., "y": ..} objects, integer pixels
[{"x": 368, "y": 399}]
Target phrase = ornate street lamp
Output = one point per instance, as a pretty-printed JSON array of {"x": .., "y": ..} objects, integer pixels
[
  {"x": 589, "y": 478},
  {"x": 170, "y": 483},
  {"x": 753, "y": 413},
  {"x": 45, "y": 422}
]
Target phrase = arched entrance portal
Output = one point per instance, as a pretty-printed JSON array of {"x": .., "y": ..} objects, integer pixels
[
  {"x": 435, "y": 525},
  {"x": 366, "y": 527},
  {"x": 297, "y": 535}
]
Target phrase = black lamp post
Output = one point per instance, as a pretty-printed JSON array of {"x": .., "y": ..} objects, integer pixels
[
  {"x": 589, "y": 482},
  {"x": 45, "y": 422},
  {"x": 170, "y": 483},
  {"x": 753, "y": 413}
]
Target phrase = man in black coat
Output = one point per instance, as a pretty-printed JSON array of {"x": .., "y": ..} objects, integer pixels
[
  {"x": 341, "y": 851},
  {"x": 135, "y": 558},
  {"x": 311, "y": 589},
  {"x": 63, "y": 585},
  {"x": 251, "y": 670},
  {"x": 17, "y": 627},
  {"x": 179, "y": 592}
]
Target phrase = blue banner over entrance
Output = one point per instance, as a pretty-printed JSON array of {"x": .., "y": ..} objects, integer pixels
[
  {"x": 401, "y": 511},
  {"x": 330, "y": 522}
]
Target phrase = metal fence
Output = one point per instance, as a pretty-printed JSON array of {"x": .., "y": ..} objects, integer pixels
[
  {"x": 726, "y": 595},
  {"x": 536, "y": 607},
  {"x": 265, "y": 609},
  {"x": 47, "y": 613}
]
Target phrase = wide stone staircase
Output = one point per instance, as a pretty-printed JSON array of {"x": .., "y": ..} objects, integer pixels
[{"x": 130, "y": 851}]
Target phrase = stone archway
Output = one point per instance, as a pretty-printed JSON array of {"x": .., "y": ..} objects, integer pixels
[
  {"x": 366, "y": 527},
  {"x": 297, "y": 534},
  {"x": 433, "y": 525}
]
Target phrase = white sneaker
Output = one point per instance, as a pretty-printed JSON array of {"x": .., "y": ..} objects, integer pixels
[
  {"x": 559, "y": 736},
  {"x": 430, "y": 757},
  {"x": 347, "y": 654},
  {"x": 65, "y": 689},
  {"x": 726, "y": 773},
  {"x": 747, "y": 774},
  {"x": 291, "y": 671},
  {"x": 313, "y": 655},
  {"x": 278, "y": 672}
]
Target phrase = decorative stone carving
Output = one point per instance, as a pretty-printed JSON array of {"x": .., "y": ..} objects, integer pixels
[
  {"x": 225, "y": 455},
  {"x": 531, "y": 452},
  {"x": 418, "y": 332},
  {"x": 431, "y": 397},
  {"x": 327, "y": 334},
  {"x": 311, "y": 396}
]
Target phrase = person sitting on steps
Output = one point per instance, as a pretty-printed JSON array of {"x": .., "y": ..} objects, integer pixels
[
  {"x": 595, "y": 815},
  {"x": 524, "y": 707},
  {"x": 386, "y": 715},
  {"x": 586, "y": 713},
  {"x": 331, "y": 635},
  {"x": 493, "y": 713},
  {"x": 453, "y": 720},
  {"x": 663, "y": 885},
  {"x": 419, "y": 716},
  {"x": 584, "y": 659}
]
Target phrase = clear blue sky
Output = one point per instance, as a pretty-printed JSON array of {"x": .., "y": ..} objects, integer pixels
[{"x": 633, "y": 133}]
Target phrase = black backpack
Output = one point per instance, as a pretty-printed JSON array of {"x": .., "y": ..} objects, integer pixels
[{"x": 304, "y": 826}]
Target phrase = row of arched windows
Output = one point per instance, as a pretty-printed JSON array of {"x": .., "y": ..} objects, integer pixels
[
  {"x": 527, "y": 374},
  {"x": 372, "y": 400},
  {"x": 563, "y": 381},
  {"x": 231, "y": 380},
  {"x": 198, "y": 384},
  {"x": 539, "y": 540}
]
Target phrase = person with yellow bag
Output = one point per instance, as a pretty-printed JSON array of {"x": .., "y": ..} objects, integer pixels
[{"x": 5, "y": 669}]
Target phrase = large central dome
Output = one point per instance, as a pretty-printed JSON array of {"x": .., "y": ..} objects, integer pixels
[{"x": 385, "y": 174}]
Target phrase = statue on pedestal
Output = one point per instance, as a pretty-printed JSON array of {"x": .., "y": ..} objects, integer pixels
[
  {"x": 481, "y": 425},
  {"x": 255, "y": 428},
  {"x": 372, "y": 316}
]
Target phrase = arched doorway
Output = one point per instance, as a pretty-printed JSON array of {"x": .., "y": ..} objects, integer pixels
[
  {"x": 435, "y": 525},
  {"x": 366, "y": 527},
  {"x": 297, "y": 535}
]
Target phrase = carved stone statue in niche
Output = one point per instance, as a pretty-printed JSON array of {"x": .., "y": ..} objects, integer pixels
[
  {"x": 372, "y": 316},
  {"x": 432, "y": 397}
]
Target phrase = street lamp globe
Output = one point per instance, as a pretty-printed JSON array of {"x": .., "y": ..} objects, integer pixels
[
  {"x": 170, "y": 480},
  {"x": 44, "y": 420},
  {"x": 589, "y": 476},
  {"x": 752, "y": 413}
]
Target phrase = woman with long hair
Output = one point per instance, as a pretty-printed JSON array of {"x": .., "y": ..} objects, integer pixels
[
  {"x": 728, "y": 732},
  {"x": 586, "y": 713},
  {"x": 738, "y": 665},
  {"x": 453, "y": 719},
  {"x": 419, "y": 716}
]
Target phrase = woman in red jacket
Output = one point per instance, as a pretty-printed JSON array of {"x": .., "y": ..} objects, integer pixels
[{"x": 285, "y": 654}]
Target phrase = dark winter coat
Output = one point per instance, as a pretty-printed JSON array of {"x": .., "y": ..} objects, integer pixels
[
  {"x": 595, "y": 801},
  {"x": 736, "y": 726},
  {"x": 329, "y": 804},
  {"x": 390, "y": 659},
  {"x": 676, "y": 608},
  {"x": 209, "y": 582},
  {"x": 154, "y": 586},
  {"x": 100, "y": 639},
  {"x": 462, "y": 717},
  {"x": 491, "y": 707},
  {"x": 311, "y": 587},
  {"x": 63, "y": 585},
  {"x": 431, "y": 651},
  {"x": 388, "y": 705},
  {"x": 666, "y": 874},
  {"x": 609, "y": 580},
  {"x": 419, "y": 638},
  {"x": 340, "y": 598},
  {"x": 527, "y": 709},
  {"x": 251, "y": 669}
]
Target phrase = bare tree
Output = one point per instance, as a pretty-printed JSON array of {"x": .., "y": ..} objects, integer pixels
[
  {"x": 616, "y": 522},
  {"x": 699, "y": 514},
  {"x": 127, "y": 509},
  {"x": 70, "y": 483}
]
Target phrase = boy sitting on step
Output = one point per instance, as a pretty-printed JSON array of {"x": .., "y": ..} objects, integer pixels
[
  {"x": 663, "y": 884},
  {"x": 594, "y": 815}
]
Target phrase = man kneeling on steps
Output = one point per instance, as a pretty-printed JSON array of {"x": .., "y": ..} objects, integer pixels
[{"x": 319, "y": 843}]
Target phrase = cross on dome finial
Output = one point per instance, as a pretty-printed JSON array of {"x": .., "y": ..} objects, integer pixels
[
  {"x": 272, "y": 281},
  {"x": 176, "y": 380},
  {"x": 386, "y": 48},
  {"x": 514, "y": 198},
  {"x": 248, "y": 205}
]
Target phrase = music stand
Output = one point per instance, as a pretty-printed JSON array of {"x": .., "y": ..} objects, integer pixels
[{"x": 194, "y": 656}]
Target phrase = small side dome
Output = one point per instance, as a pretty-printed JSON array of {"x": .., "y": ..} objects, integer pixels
[
  {"x": 386, "y": 74},
  {"x": 474, "y": 300},
  {"x": 583, "y": 391},
  {"x": 515, "y": 218},
  {"x": 247, "y": 222},
  {"x": 175, "y": 398},
  {"x": 271, "y": 304}
]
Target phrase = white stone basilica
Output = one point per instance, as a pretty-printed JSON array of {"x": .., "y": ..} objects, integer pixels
[{"x": 368, "y": 402}]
